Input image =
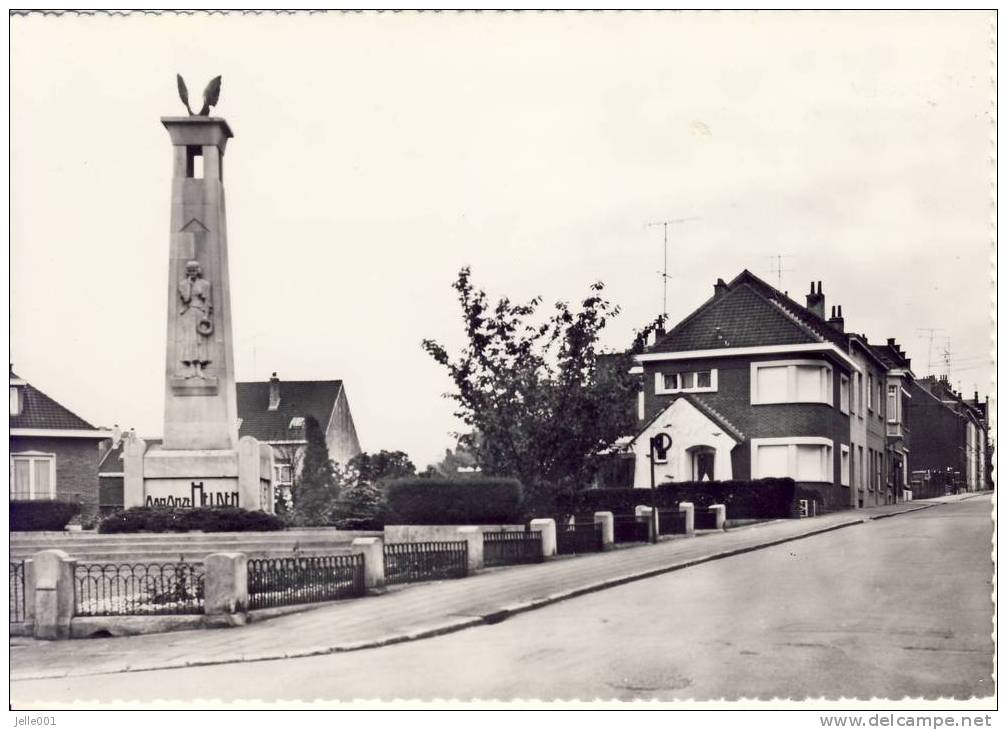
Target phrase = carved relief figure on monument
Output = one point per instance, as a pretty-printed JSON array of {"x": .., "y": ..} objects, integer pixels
[{"x": 196, "y": 312}]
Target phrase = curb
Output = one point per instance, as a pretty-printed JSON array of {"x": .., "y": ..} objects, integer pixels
[{"x": 461, "y": 624}]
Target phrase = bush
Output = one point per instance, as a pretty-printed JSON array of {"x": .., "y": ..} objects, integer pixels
[
  {"x": 758, "y": 499},
  {"x": 206, "y": 519},
  {"x": 41, "y": 514},
  {"x": 440, "y": 501}
]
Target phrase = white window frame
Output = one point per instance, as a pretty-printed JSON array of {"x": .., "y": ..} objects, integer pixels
[
  {"x": 31, "y": 457},
  {"x": 279, "y": 471},
  {"x": 16, "y": 400},
  {"x": 791, "y": 366},
  {"x": 844, "y": 465},
  {"x": 793, "y": 442},
  {"x": 844, "y": 403},
  {"x": 659, "y": 388},
  {"x": 870, "y": 393},
  {"x": 894, "y": 396}
]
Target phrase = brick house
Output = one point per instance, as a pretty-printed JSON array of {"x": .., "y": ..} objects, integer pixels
[
  {"x": 898, "y": 399},
  {"x": 274, "y": 411},
  {"x": 54, "y": 453},
  {"x": 950, "y": 440}
]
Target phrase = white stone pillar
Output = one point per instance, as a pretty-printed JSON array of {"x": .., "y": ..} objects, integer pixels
[
  {"x": 547, "y": 527},
  {"x": 690, "y": 516},
  {"x": 653, "y": 519},
  {"x": 52, "y": 594},
  {"x": 133, "y": 449},
  {"x": 373, "y": 550},
  {"x": 225, "y": 589},
  {"x": 607, "y": 522},
  {"x": 720, "y": 512},
  {"x": 474, "y": 537}
]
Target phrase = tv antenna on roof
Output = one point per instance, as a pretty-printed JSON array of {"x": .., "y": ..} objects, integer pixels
[
  {"x": 664, "y": 272},
  {"x": 776, "y": 265}
]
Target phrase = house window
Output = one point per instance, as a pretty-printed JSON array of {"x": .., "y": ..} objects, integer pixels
[
  {"x": 296, "y": 422},
  {"x": 284, "y": 474},
  {"x": 791, "y": 381},
  {"x": 807, "y": 459},
  {"x": 702, "y": 463},
  {"x": 32, "y": 476},
  {"x": 880, "y": 400},
  {"x": 860, "y": 394},
  {"x": 640, "y": 405},
  {"x": 860, "y": 468},
  {"x": 15, "y": 400},
  {"x": 696, "y": 381},
  {"x": 870, "y": 392},
  {"x": 844, "y": 465},
  {"x": 844, "y": 394},
  {"x": 893, "y": 404},
  {"x": 879, "y": 465}
]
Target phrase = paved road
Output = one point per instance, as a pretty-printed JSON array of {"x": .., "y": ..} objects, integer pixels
[{"x": 893, "y": 608}]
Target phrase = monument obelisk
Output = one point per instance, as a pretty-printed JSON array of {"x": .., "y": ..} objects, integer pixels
[{"x": 201, "y": 461}]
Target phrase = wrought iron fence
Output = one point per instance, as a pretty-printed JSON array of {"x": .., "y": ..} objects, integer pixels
[
  {"x": 630, "y": 528},
  {"x": 408, "y": 562},
  {"x": 17, "y": 592},
  {"x": 512, "y": 547},
  {"x": 705, "y": 520},
  {"x": 671, "y": 522},
  {"x": 580, "y": 536},
  {"x": 138, "y": 589},
  {"x": 289, "y": 581}
]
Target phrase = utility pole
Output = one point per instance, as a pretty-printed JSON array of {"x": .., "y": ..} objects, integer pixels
[{"x": 664, "y": 272}]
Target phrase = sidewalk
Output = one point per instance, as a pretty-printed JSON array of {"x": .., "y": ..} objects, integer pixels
[{"x": 420, "y": 610}]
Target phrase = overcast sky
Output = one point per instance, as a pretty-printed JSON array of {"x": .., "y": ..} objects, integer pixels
[{"x": 376, "y": 154}]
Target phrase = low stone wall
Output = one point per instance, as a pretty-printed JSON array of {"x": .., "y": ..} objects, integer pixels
[{"x": 437, "y": 533}]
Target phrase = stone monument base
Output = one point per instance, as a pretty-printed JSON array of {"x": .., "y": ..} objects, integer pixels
[{"x": 198, "y": 478}]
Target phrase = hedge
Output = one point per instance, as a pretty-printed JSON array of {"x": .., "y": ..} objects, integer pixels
[
  {"x": 206, "y": 519},
  {"x": 474, "y": 501},
  {"x": 41, "y": 514},
  {"x": 758, "y": 499}
]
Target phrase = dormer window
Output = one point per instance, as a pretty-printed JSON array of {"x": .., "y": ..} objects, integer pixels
[
  {"x": 16, "y": 400},
  {"x": 296, "y": 422}
]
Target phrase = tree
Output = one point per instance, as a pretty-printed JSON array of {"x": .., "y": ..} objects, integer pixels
[
  {"x": 545, "y": 403},
  {"x": 316, "y": 492},
  {"x": 382, "y": 466},
  {"x": 361, "y": 502}
]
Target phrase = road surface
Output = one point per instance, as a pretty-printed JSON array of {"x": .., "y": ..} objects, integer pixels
[{"x": 894, "y": 608}]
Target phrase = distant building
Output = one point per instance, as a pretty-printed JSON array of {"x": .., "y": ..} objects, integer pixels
[
  {"x": 898, "y": 394},
  {"x": 274, "y": 411},
  {"x": 54, "y": 453},
  {"x": 950, "y": 440}
]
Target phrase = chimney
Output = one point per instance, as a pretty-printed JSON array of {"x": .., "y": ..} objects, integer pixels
[
  {"x": 816, "y": 300},
  {"x": 836, "y": 320},
  {"x": 274, "y": 392},
  {"x": 719, "y": 288}
]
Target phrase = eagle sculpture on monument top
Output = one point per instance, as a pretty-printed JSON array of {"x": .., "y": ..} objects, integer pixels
[{"x": 210, "y": 95}]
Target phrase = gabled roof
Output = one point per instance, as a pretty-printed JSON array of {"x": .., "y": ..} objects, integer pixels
[
  {"x": 703, "y": 407},
  {"x": 748, "y": 313},
  {"x": 891, "y": 356},
  {"x": 298, "y": 398},
  {"x": 40, "y": 411}
]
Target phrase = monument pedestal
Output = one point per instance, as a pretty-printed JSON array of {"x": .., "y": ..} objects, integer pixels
[{"x": 198, "y": 478}]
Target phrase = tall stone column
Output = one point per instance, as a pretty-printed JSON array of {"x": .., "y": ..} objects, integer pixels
[{"x": 199, "y": 400}]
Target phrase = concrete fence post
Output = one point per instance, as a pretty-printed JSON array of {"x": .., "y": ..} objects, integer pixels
[
  {"x": 653, "y": 519},
  {"x": 225, "y": 588},
  {"x": 547, "y": 527},
  {"x": 607, "y": 522},
  {"x": 373, "y": 550},
  {"x": 690, "y": 516},
  {"x": 720, "y": 515},
  {"x": 52, "y": 593},
  {"x": 474, "y": 537}
]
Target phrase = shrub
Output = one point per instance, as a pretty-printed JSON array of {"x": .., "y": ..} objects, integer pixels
[
  {"x": 207, "y": 519},
  {"x": 41, "y": 514},
  {"x": 618, "y": 501},
  {"x": 757, "y": 499},
  {"x": 439, "y": 501}
]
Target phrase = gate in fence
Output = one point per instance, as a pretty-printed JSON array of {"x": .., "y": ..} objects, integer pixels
[
  {"x": 408, "y": 562},
  {"x": 138, "y": 589},
  {"x": 17, "y": 592},
  {"x": 580, "y": 536},
  {"x": 630, "y": 528},
  {"x": 512, "y": 548},
  {"x": 289, "y": 581},
  {"x": 705, "y": 519},
  {"x": 671, "y": 522}
]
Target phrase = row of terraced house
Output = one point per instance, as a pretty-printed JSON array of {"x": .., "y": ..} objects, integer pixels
[{"x": 753, "y": 384}]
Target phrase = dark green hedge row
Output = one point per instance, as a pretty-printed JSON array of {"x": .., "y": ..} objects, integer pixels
[
  {"x": 206, "y": 519},
  {"x": 757, "y": 499},
  {"x": 479, "y": 500},
  {"x": 41, "y": 514}
]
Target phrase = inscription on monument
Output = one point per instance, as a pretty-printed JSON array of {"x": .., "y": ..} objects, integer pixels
[{"x": 198, "y": 498}]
